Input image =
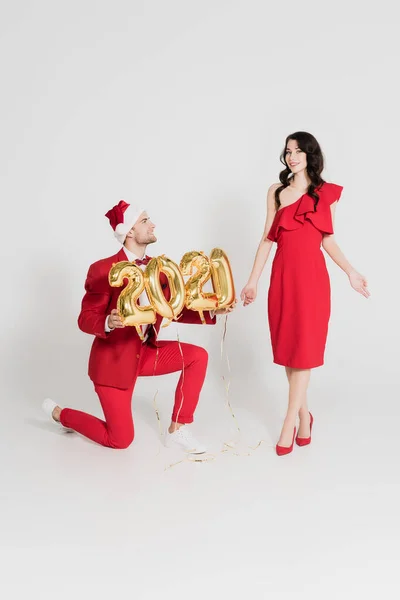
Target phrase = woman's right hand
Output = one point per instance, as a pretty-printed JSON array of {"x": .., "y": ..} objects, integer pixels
[{"x": 248, "y": 294}]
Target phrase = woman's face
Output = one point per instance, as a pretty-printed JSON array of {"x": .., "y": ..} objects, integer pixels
[{"x": 296, "y": 159}]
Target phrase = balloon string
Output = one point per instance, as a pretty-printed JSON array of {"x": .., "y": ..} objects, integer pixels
[
  {"x": 227, "y": 383},
  {"x": 189, "y": 458},
  {"x": 160, "y": 430},
  {"x": 228, "y": 447},
  {"x": 182, "y": 377}
]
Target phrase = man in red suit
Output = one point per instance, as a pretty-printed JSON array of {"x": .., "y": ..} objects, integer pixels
[{"x": 118, "y": 355}]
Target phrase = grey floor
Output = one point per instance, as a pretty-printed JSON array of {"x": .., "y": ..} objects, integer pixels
[{"x": 82, "y": 521}]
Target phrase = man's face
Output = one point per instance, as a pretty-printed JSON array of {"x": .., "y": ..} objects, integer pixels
[{"x": 143, "y": 230}]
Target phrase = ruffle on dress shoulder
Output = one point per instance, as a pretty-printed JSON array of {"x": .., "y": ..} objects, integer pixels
[{"x": 294, "y": 215}]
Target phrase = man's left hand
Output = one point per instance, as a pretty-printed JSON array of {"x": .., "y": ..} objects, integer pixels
[{"x": 225, "y": 311}]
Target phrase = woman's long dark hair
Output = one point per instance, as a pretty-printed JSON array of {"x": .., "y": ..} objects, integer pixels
[{"x": 315, "y": 165}]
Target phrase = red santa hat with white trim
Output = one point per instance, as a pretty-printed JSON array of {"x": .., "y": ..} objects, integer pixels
[{"x": 123, "y": 217}]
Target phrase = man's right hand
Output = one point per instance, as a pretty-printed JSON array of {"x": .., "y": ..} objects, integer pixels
[{"x": 114, "y": 320}]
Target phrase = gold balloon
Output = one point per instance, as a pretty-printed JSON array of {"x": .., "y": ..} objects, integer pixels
[
  {"x": 222, "y": 278},
  {"x": 169, "y": 309},
  {"x": 196, "y": 298},
  {"x": 130, "y": 313}
]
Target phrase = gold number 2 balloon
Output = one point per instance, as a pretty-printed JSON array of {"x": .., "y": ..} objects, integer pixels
[
  {"x": 196, "y": 298},
  {"x": 128, "y": 310},
  {"x": 168, "y": 309}
]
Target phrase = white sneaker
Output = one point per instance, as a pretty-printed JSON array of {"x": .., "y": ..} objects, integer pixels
[
  {"x": 184, "y": 439},
  {"x": 48, "y": 406}
]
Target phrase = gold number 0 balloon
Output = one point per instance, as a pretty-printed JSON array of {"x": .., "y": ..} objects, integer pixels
[
  {"x": 168, "y": 309},
  {"x": 222, "y": 278},
  {"x": 196, "y": 298},
  {"x": 128, "y": 310}
]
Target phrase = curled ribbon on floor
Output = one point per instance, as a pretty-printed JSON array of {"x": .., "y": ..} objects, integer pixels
[{"x": 193, "y": 458}]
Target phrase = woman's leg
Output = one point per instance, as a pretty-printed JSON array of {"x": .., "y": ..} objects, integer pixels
[
  {"x": 304, "y": 415},
  {"x": 298, "y": 384}
]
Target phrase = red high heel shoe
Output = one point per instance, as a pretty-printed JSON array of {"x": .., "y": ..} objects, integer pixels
[
  {"x": 282, "y": 450},
  {"x": 305, "y": 441}
]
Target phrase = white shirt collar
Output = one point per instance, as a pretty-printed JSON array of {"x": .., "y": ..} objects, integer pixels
[{"x": 130, "y": 255}]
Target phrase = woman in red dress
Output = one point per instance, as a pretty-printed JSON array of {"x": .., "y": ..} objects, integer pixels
[{"x": 300, "y": 216}]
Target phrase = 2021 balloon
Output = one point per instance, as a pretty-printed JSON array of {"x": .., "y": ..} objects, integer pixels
[{"x": 190, "y": 294}]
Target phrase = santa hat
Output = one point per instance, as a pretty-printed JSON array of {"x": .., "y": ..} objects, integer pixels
[{"x": 122, "y": 218}]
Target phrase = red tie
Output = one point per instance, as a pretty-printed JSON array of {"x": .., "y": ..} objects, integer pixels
[{"x": 143, "y": 261}]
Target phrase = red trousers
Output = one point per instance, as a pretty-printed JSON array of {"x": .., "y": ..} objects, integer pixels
[{"x": 117, "y": 431}]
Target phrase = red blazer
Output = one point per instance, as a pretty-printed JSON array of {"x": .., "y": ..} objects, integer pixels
[{"x": 114, "y": 356}]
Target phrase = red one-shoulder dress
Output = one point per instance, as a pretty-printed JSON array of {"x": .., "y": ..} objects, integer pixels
[{"x": 299, "y": 293}]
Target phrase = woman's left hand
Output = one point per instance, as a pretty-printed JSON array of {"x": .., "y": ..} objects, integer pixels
[{"x": 359, "y": 283}]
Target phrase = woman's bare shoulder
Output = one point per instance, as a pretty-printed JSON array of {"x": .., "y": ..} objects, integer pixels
[
  {"x": 271, "y": 192},
  {"x": 274, "y": 187}
]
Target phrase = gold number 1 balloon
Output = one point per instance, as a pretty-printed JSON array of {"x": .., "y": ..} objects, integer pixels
[{"x": 222, "y": 278}]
